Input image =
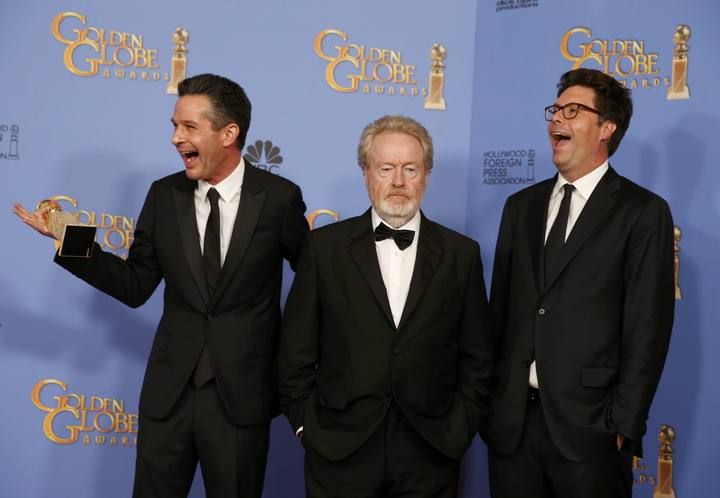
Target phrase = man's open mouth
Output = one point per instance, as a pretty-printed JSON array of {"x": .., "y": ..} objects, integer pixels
[
  {"x": 560, "y": 136},
  {"x": 188, "y": 156}
]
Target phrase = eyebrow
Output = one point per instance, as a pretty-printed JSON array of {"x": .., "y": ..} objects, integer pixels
[
  {"x": 184, "y": 121},
  {"x": 403, "y": 165}
]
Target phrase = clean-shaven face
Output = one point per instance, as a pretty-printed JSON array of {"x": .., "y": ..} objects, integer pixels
[
  {"x": 579, "y": 144},
  {"x": 199, "y": 145}
]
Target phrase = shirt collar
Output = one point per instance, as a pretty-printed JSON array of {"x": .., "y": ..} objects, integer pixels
[
  {"x": 585, "y": 185},
  {"x": 228, "y": 187},
  {"x": 413, "y": 224}
]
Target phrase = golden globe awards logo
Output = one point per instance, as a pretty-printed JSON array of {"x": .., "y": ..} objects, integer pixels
[
  {"x": 352, "y": 67},
  {"x": 92, "y": 51},
  {"x": 115, "y": 232},
  {"x": 71, "y": 418},
  {"x": 629, "y": 60},
  {"x": 358, "y": 68}
]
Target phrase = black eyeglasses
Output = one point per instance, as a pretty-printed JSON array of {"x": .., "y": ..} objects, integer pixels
[{"x": 569, "y": 111}]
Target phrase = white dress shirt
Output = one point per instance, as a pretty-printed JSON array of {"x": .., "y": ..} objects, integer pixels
[
  {"x": 584, "y": 187},
  {"x": 229, "y": 190},
  {"x": 397, "y": 266}
]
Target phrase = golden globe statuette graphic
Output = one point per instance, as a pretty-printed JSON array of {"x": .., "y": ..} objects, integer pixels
[
  {"x": 664, "y": 488},
  {"x": 178, "y": 67},
  {"x": 436, "y": 82},
  {"x": 311, "y": 217},
  {"x": 678, "y": 87},
  {"x": 677, "y": 235},
  {"x": 73, "y": 238}
]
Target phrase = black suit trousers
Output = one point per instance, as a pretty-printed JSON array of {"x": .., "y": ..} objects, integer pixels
[
  {"x": 232, "y": 458},
  {"x": 537, "y": 468},
  {"x": 395, "y": 462}
]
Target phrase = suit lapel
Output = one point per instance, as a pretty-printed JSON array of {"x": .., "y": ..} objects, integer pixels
[
  {"x": 252, "y": 197},
  {"x": 184, "y": 197},
  {"x": 362, "y": 251},
  {"x": 595, "y": 210},
  {"x": 429, "y": 253}
]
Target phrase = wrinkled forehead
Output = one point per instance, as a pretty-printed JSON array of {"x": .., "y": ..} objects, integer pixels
[{"x": 396, "y": 147}]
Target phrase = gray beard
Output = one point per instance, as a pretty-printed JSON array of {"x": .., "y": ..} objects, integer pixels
[{"x": 395, "y": 218}]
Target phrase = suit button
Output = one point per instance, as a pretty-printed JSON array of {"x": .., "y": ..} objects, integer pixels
[
  {"x": 526, "y": 364},
  {"x": 541, "y": 311},
  {"x": 209, "y": 317},
  {"x": 396, "y": 350}
]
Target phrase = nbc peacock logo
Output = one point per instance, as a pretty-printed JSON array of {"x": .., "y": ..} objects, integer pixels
[{"x": 264, "y": 155}]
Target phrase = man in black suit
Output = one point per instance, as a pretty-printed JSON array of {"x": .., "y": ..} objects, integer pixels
[
  {"x": 582, "y": 295},
  {"x": 217, "y": 234},
  {"x": 384, "y": 353}
]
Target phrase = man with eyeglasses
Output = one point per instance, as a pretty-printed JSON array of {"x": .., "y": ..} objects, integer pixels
[
  {"x": 582, "y": 296},
  {"x": 385, "y": 354}
]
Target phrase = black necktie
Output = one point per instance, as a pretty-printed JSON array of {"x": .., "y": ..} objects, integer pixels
[
  {"x": 556, "y": 238},
  {"x": 211, "y": 258},
  {"x": 211, "y": 243},
  {"x": 403, "y": 238}
]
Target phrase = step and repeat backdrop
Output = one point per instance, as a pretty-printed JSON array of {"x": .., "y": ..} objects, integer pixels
[
  {"x": 667, "y": 53},
  {"x": 87, "y": 92}
]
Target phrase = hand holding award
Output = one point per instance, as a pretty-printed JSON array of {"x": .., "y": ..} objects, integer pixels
[{"x": 74, "y": 237}]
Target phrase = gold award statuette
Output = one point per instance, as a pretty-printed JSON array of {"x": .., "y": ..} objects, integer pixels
[
  {"x": 677, "y": 235},
  {"x": 73, "y": 238},
  {"x": 678, "y": 88},
  {"x": 664, "y": 488},
  {"x": 178, "y": 66},
  {"x": 436, "y": 82}
]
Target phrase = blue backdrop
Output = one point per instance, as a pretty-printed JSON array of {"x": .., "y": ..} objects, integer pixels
[{"x": 84, "y": 116}]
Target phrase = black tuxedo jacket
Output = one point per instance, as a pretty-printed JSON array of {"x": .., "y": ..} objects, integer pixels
[
  {"x": 599, "y": 330},
  {"x": 342, "y": 360},
  {"x": 242, "y": 321}
]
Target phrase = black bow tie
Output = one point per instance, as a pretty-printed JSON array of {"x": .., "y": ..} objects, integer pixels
[{"x": 403, "y": 238}]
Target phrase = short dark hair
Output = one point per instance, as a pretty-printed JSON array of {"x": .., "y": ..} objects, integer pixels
[
  {"x": 612, "y": 99},
  {"x": 229, "y": 102}
]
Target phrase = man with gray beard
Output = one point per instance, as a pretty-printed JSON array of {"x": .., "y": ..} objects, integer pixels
[{"x": 385, "y": 353}]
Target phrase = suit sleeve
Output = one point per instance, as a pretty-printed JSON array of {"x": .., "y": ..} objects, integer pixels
[
  {"x": 476, "y": 346},
  {"x": 648, "y": 309},
  {"x": 299, "y": 341},
  {"x": 295, "y": 228},
  {"x": 131, "y": 281},
  {"x": 502, "y": 269}
]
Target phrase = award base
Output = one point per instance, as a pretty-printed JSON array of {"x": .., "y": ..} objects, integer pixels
[
  {"x": 679, "y": 89},
  {"x": 435, "y": 105},
  {"x": 683, "y": 94},
  {"x": 77, "y": 241}
]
